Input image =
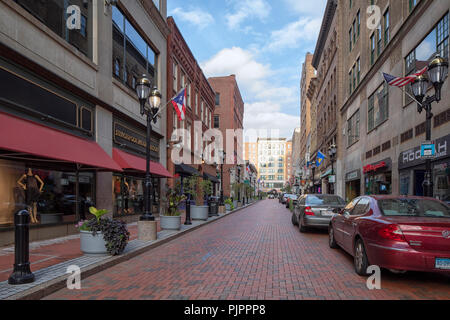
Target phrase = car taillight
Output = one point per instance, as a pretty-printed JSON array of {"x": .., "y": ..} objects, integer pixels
[
  {"x": 308, "y": 211},
  {"x": 392, "y": 232}
]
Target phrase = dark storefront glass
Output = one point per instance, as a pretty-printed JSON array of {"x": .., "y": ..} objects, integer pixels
[
  {"x": 441, "y": 178},
  {"x": 53, "y": 14},
  {"x": 56, "y": 203},
  {"x": 379, "y": 183},
  {"x": 128, "y": 195}
]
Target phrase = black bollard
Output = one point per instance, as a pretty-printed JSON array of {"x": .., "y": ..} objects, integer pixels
[
  {"x": 188, "y": 211},
  {"x": 22, "y": 273}
]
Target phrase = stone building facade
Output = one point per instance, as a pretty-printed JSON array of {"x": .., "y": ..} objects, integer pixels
[
  {"x": 382, "y": 128},
  {"x": 80, "y": 93}
]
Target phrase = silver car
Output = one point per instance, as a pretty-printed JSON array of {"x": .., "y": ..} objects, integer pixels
[{"x": 316, "y": 210}]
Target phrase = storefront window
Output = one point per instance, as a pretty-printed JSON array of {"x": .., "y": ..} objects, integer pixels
[
  {"x": 441, "y": 178},
  {"x": 53, "y": 13},
  {"x": 404, "y": 184},
  {"x": 128, "y": 195},
  {"x": 379, "y": 184},
  {"x": 48, "y": 195}
]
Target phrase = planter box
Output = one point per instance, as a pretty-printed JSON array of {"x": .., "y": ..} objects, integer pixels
[
  {"x": 91, "y": 244},
  {"x": 227, "y": 207},
  {"x": 235, "y": 204},
  {"x": 170, "y": 222},
  {"x": 199, "y": 213}
]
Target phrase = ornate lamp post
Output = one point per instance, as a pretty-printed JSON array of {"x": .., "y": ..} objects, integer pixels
[
  {"x": 223, "y": 155},
  {"x": 437, "y": 72},
  {"x": 144, "y": 93},
  {"x": 332, "y": 150}
]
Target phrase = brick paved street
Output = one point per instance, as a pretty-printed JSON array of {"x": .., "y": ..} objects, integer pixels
[{"x": 254, "y": 254}]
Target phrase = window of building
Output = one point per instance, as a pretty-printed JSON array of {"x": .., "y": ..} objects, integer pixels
[
  {"x": 358, "y": 67},
  {"x": 350, "y": 89},
  {"x": 130, "y": 47},
  {"x": 407, "y": 135},
  {"x": 216, "y": 122},
  {"x": 188, "y": 94},
  {"x": 412, "y": 4},
  {"x": 372, "y": 49},
  {"x": 217, "y": 99},
  {"x": 359, "y": 22},
  {"x": 353, "y": 129},
  {"x": 117, "y": 67},
  {"x": 386, "y": 28},
  {"x": 354, "y": 32},
  {"x": 350, "y": 39},
  {"x": 53, "y": 14},
  {"x": 379, "y": 38},
  {"x": 55, "y": 202},
  {"x": 437, "y": 41},
  {"x": 378, "y": 110}
]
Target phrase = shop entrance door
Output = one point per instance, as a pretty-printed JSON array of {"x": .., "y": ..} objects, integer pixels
[{"x": 419, "y": 177}]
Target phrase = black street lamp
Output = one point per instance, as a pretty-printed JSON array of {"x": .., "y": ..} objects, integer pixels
[
  {"x": 332, "y": 150},
  {"x": 223, "y": 155},
  {"x": 437, "y": 72},
  {"x": 144, "y": 93}
]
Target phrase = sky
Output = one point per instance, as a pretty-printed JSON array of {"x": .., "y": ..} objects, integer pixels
[{"x": 262, "y": 42}]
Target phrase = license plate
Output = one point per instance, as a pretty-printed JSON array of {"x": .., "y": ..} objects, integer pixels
[
  {"x": 327, "y": 213},
  {"x": 442, "y": 263}
]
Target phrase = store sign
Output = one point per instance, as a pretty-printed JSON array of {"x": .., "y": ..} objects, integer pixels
[
  {"x": 332, "y": 179},
  {"x": 374, "y": 167},
  {"x": 133, "y": 140},
  {"x": 428, "y": 150},
  {"x": 354, "y": 175},
  {"x": 414, "y": 157}
]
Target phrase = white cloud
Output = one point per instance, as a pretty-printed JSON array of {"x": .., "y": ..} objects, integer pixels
[
  {"x": 245, "y": 9},
  {"x": 295, "y": 34},
  {"x": 196, "y": 16},
  {"x": 307, "y": 7},
  {"x": 263, "y": 98}
]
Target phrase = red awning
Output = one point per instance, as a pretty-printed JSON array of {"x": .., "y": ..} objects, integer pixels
[
  {"x": 27, "y": 137},
  {"x": 131, "y": 162}
]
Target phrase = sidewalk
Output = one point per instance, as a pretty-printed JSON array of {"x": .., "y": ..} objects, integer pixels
[{"x": 50, "y": 259}]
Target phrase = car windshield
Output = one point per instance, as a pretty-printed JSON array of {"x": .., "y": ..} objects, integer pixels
[
  {"x": 414, "y": 208},
  {"x": 324, "y": 200},
  {"x": 291, "y": 196}
]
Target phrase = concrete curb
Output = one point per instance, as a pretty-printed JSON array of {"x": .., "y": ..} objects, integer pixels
[{"x": 47, "y": 288}]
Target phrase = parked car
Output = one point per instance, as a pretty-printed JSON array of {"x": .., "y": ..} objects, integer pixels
[
  {"x": 271, "y": 196},
  {"x": 289, "y": 198},
  {"x": 398, "y": 233},
  {"x": 316, "y": 210}
]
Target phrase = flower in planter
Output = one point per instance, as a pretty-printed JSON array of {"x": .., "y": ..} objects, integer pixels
[
  {"x": 115, "y": 233},
  {"x": 173, "y": 200}
]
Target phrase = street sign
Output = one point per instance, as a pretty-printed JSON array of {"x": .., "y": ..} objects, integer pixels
[
  {"x": 332, "y": 179},
  {"x": 428, "y": 150}
]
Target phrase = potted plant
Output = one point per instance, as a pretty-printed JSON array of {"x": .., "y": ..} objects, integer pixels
[
  {"x": 171, "y": 219},
  {"x": 229, "y": 206},
  {"x": 236, "y": 189},
  {"x": 103, "y": 235},
  {"x": 194, "y": 186}
]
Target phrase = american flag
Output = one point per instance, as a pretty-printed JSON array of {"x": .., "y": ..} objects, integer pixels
[{"x": 402, "y": 81}]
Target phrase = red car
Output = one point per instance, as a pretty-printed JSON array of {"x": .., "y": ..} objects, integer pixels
[{"x": 397, "y": 233}]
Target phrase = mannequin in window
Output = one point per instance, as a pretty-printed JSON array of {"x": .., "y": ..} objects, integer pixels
[{"x": 29, "y": 183}]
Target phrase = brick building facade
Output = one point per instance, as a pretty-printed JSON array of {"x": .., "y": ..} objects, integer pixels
[{"x": 229, "y": 114}]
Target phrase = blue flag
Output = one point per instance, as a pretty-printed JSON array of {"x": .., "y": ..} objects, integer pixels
[{"x": 320, "y": 158}]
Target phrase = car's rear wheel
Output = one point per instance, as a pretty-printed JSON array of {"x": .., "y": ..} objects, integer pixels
[
  {"x": 360, "y": 258},
  {"x": 301, "y": 226},
  {"x": 294, "y": 219},
  {"x": 331, "y": 240}
]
